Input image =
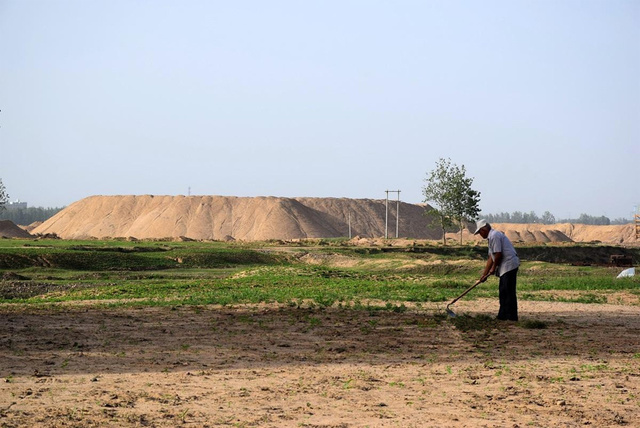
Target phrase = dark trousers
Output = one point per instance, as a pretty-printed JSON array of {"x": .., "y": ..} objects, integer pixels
[{"x": 508, "y": 299}]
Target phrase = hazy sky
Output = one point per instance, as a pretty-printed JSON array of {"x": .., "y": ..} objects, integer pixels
[{"x": 539, "y": 100}]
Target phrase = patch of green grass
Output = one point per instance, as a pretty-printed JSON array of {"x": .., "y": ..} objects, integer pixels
[
  {"x": 578, "y": 278},
  {"x": 588, "y": 298},
  {"x": 120, "y": 272},
  {"x": 594, "y": 367},
  {"x": 450, "y": 283}
]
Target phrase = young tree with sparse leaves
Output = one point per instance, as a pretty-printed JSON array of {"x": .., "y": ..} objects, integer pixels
[
  {"x": 4, "y": 196},
  {"x": 449, "y": 189}
]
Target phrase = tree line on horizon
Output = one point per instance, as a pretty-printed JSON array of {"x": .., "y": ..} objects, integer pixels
[
  {"x": 26, "y": 216},
  {"x": 548, "y": 218},
  {"x": 23, "y": 216}
]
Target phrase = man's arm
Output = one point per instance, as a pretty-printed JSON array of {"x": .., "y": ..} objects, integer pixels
[
  {"x": 497, "y": 259},
  {"x": 490, "y": 268},
  {"x": 487, "y": 269}
]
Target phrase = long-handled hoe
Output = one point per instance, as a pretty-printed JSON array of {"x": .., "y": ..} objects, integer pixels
[{"x": 449, "y": 311}]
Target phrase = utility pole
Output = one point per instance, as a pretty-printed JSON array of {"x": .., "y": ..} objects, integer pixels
[
  {"x": 636, "y": 220},
  {"x": 398, "y": 215},
  {"x": 386, "y": 214}
]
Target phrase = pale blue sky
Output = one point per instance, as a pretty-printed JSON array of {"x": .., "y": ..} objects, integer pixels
[{"x": 539, "y": 100}]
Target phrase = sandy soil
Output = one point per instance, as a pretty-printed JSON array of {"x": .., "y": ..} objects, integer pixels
[{"x": 276, "y": 366}]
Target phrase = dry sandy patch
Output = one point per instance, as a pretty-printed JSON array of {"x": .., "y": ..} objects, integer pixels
[{"x": 276, "y": 366}]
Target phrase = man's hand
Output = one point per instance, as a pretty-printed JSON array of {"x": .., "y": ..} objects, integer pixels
[{"x": 481, "y": 280}]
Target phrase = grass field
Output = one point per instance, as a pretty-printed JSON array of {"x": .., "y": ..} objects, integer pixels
[{"x": 325, "y": 274}]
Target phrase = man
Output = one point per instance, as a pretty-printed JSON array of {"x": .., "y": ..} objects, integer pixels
[{"x": 503, "y": 261}]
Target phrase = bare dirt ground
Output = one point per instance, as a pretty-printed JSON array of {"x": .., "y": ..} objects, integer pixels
[{"x": 280, "y": 366}]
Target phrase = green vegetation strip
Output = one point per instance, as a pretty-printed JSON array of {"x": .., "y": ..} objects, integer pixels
[{"x": 199, "y": 273}]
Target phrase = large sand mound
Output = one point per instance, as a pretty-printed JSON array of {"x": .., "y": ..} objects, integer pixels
[
  {"x": 220, "y": 217},
  {"x": 263, "y": 218},
  {"x": 568, "y": 232},
  {"x": 9, "y": 229},
  {"x": 560, "y": 232}
]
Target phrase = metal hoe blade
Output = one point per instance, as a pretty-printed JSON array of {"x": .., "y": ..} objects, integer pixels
[{"x": 450, "y": 312}]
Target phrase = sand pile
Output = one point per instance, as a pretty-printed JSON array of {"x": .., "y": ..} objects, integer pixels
[
  {"x": 567, "y": 232},
  {"x": 31, "y": 226},
  {"x": 222, "y": 217},
  {"x": 263, "y": 218},
  {"x": 616, "y": 234},
  {"x": 9, "y": 229},
  {"x": 561, "y": 232},
  {"x": 533, "y": 232}
]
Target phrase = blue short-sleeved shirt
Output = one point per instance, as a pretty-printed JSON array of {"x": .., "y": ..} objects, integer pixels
[{"x": 499, "y": 243}]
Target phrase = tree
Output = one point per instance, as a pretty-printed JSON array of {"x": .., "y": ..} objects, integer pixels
[
  {"x": 548, "y": 218},
  {"x": 449, "y": 189},
  {"x": 4, "y": 196},
  {"x": 517, "y": 217}
]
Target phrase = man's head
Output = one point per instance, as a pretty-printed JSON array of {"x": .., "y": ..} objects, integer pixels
[{"x": 482, "y": 228}]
